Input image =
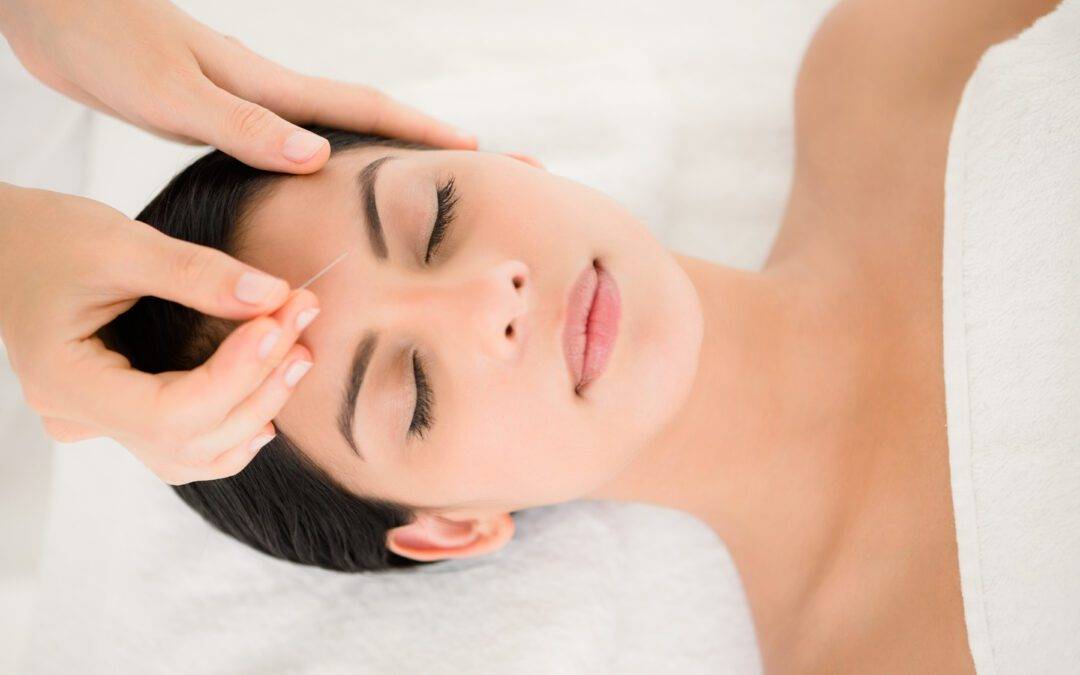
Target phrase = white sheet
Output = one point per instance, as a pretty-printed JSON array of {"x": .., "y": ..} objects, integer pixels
[
  {"x": 682, "y": 111},
  {"x": 1012, "y": 349}
]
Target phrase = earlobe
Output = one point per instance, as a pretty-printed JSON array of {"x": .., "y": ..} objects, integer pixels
[
  {"x": 528, "y": 159},
  {"x": 432, "y": 537}
]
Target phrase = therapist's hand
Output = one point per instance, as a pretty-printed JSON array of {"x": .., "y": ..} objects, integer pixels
[
  {"x": 149, "y": 63},
  {"x": 70, "y": 265}
]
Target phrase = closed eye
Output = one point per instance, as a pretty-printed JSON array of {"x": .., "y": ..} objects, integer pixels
[
  {"x": 421, "y": 420},
  {"x": 447, "y": 198}
]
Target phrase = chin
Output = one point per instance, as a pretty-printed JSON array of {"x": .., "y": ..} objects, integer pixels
[{"x": 655, "y": 359}]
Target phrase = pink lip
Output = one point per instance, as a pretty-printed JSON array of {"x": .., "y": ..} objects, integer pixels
[{"x": 592, "y": 324}]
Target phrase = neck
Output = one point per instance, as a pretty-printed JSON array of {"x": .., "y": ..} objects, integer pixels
[{"x": 758, "y": 450}]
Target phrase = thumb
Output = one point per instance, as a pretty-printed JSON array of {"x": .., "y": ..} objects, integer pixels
[
  {"x": 199, "y": 277},
  {"x": 250, "y": 132}
]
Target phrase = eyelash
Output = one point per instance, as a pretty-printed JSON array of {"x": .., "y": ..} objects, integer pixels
[
  {"x": 447, "y": 197},
  {"x": 421, "y": 420}
]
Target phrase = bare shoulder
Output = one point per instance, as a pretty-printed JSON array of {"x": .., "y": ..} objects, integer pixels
[
  {"x": 877, "y": 71},
  {"x": 875, "y": 99}
]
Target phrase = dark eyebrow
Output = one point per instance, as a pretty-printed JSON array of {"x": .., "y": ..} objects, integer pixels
[
  {"x": 360, "y": 360},
  {"x": 366, "y": 181},
  {"x": 366, "y": 347}
]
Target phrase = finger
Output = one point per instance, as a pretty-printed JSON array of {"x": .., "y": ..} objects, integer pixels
[
  {"x": 236, "y": 459},
  {"x": 200, "y": 277},
  {"x": 248, "y": 131},
  {"x": 202, "y": 398},
  {"x": 126, "y": 402},
  {"x": 361, "y": 108},
  {"x": 306, "y": 100},
  {"x": 260, "y": 408},
  {"x": 66, "y": 431},
  {"x": 95, "y": 103}
]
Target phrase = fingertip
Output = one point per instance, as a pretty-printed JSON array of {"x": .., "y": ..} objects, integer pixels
[
  {"x": 296, "y": 370},
  {"x": 462, "y": 139},
  {"x": 471, "y": 142},
  {"x": 298, "y": 352},
  {"x": 260, "y": 290},
  {"x": 305, "y": 151}
]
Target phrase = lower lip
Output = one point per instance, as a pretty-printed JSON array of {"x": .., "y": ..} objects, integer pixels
[{"x": 588, "y": 351}]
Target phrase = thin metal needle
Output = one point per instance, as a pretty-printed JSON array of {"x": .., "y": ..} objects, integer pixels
[{"x": 325, "y": 269}]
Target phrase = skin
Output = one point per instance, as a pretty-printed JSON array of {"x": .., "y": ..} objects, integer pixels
[{"x": 797, "y": 410}]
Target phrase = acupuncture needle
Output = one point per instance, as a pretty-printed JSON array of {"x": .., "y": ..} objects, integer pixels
[{"x": 325, "y": 269}]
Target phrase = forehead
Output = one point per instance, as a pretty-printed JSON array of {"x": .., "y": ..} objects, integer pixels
[
  {"x": 293, "y": 230},
  {"x": 291, "y": 227}
]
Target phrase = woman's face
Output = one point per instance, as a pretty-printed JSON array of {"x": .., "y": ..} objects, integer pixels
[{"x": 507, "y": 429}]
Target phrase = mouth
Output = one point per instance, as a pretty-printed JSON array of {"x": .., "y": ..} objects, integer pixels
[{"x": 591, "y": 324}]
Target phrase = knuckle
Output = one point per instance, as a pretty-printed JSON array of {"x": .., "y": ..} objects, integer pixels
[
  {"x": 247, "y": 120},
  {"x": 379, "y": 104},
  {"x": 193, "y": 264}
]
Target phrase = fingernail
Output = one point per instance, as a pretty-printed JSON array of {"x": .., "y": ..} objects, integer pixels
[
  {"x": 253, "y": 287},
  {"x": 260, "y": 440},
  {"x": 305, "y": 317},
  {"x": 297, "y": 370},
  {"x": 301, "y": 146},
  {"x": 268, "y": 342}
]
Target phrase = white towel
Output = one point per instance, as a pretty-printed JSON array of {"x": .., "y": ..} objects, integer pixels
[{"x": 1012, "y": 349}]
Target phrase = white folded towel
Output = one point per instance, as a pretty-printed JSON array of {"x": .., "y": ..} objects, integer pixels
[{"x": 1012, "y": 349}]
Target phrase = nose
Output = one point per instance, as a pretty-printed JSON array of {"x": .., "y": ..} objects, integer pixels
[
  {"x": 499, "y": 310},
  {"x": 485, "y": 309}
]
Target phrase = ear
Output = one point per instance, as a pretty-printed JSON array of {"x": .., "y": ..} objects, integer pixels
[
  {"x": 432, "y": 537},
  {"x": 528, "y": 159}
]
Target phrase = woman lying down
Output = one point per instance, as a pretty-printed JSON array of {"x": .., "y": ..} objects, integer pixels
[{"x": 500, "y": 338}]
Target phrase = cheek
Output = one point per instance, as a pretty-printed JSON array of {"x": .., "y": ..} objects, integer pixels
[
  {"x": 536, "y": 213},
  {"x": 526, "y": 444}
]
